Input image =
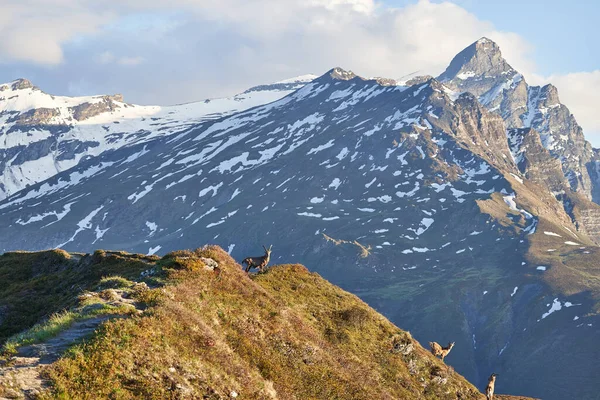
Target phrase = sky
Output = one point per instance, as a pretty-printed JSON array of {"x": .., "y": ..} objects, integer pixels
[{"x": 157, "y": 52}]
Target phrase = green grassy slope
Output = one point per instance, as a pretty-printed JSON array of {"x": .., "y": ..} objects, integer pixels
[{"x": 36, "y": 285}]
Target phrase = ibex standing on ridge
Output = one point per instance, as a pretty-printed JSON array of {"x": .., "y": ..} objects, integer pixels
[
  {"x": 489, "y": 390},
  {"x": 258, "y": 262},
  {"x": 438, "y": 350}
]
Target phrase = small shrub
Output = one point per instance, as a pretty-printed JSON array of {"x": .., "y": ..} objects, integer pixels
[
  {"x": 98, "y": 256},
  {"x": 150, "y": 297},
  {"x": 108, "y": 295},
  {"x": 114, "y": 282},
  {"x": 336, "y": 336},
  {"x": 437, "y": 371},
  {"x": 138, "y": 289},
  {"x": 354, "y": 317},
  {"x": 182, "y": 260}
]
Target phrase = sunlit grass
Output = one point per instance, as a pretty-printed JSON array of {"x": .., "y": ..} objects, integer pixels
[{"x": 286, "y": 333}]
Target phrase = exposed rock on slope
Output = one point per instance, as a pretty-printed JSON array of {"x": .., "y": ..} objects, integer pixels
[
  {"x": 88, "y": 110},
  {"x": 534, "y": 160}
]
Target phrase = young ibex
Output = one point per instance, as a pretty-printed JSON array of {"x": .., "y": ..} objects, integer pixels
[
  {"x": 489, "y": 390},
  {"x": 258, "y": 262},
  {"x": 438, "y": 350}
]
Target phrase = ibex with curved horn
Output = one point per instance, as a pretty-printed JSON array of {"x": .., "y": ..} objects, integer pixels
[
  {"x": 258, "y": 262},
  {"x": 489, "y": 390},
  {"x": 440, "y": 351}
]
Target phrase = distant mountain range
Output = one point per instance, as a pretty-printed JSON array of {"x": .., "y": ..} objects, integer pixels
[
  {"x": 461, "y": 207},
  {"x": 42, "y": 135}
]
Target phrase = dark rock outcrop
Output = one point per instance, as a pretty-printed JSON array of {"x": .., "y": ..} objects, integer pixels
[
  {"x": 21, "y": 84},
  {"x": 36, "y": 116},
  {"x": 84, "y": 111},
  {"x": 341, "y": 74},
  {"x": 417, "y": 80}
]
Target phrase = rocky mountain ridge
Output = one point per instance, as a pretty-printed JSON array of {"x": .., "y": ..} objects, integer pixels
[{"x": 480, "y": 69}]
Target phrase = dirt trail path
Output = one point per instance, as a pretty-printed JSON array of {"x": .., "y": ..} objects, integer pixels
[{"x": 22, "y": 377}]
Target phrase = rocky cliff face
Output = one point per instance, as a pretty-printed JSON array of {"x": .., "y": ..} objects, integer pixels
[
  {"x": 481, "y": 70},
  {"x": 535, "y": 161},
  {"x": 19, "y": 84},
  {"x": 561, "y": 135},
  {"x": 478, "y": 68},
  {"x": 37, "y": 116},
  {"x": 539, "y": 166},
  {"x": 593, "y": 168},
  {"x": 530, "y": 111}
]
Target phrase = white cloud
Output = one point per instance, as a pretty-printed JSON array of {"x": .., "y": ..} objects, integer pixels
[
  {"x": 105, "y": 57},
  {"x": 131, "y": 60},
  {"x": 314, "y": 34},
  {"x": 35, "y": 30}
]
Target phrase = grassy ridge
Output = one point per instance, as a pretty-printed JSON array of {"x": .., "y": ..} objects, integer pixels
[
  {"x": 284, "y": 334},
  {"x": 214, "y": 333},
  {"x": 36, "y": 285}
]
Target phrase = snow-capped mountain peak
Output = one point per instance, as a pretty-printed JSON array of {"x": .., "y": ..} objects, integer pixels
[
  {"x": 21, "y": 96},
  {"x": 341, "y": 74},
  {"x": 481, "y": 63},
  {"x": 42, "y": 134},
  {"x": 481, "y": 70}
]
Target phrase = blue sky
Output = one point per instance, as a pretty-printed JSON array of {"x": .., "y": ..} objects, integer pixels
[
  {"x": 157, "y": 52},
  {"x": 564, "y": 34}
]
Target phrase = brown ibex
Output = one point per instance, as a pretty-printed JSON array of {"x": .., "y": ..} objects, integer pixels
[
  {"x": 438, "y": 350},
  {"x": 258, "y": 262},
  {"x": 489, "y": 390}
]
